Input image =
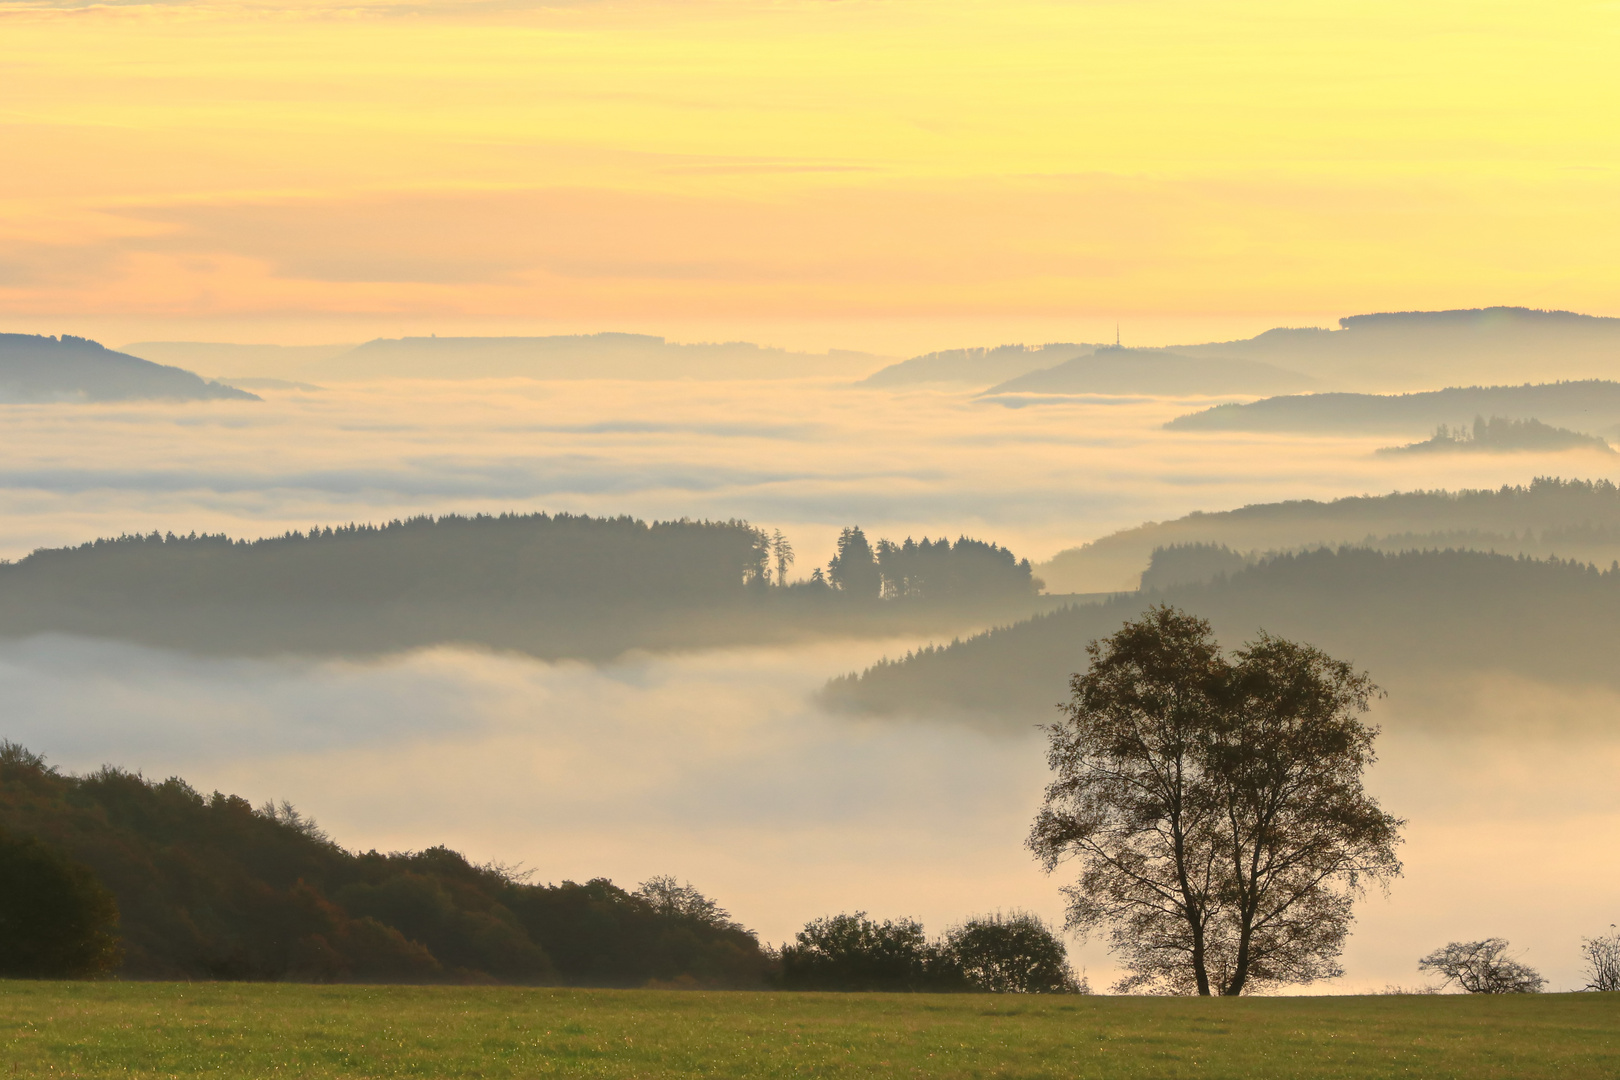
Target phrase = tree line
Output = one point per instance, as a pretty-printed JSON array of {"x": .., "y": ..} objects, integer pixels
[
  {"x": 553, "y": 585},
  {"x": 110, "y": 874},
  {"x": 1412, "y": 616}
]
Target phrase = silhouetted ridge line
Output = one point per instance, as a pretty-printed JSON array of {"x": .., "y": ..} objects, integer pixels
[
  {"x": 1548, "y": 517},
  {"x": 1113, "y": 370},
  {"x": 208, "y": 887},
  {"x": 551, "y": 585},
  {"x": 1413, "y": 617},
  {"x": 1499, "y": 435},
  {"x": 35, "y": 368},
  {"x": 1589, "y": 405}
]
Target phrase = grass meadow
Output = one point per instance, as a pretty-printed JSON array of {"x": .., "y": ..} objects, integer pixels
[{"x": 263, "y": 1030}]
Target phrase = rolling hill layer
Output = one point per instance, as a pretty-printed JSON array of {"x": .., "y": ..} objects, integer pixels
[
  {"x": 582, "y": 356},
  {"x": 1419, "y": 350},
  {"x": 1591, "y": 406},
  {"x": 1161, "y": 372},
  {"x": 1572, "y": 519},
  {"x": 35, "y": 368},
  {"x": 1413, "y": 619}
]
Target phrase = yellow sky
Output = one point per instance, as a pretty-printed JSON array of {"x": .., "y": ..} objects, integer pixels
[{"x": 893, "y": 174}]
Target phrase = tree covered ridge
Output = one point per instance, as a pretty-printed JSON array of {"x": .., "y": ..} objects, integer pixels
[
  {"x": 1548, "y": 516},
  {"x": 1412, "y": 615},
  {"x": 208, "y": 887},
  {"x": 554, "y": 585}
]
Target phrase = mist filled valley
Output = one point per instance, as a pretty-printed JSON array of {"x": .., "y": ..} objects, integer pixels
[{"x": 791, "y": 638}]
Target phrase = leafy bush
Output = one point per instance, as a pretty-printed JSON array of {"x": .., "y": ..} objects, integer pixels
[
  {"x": 853, "y": 952},
  {"x": 1011, "y": 954}
]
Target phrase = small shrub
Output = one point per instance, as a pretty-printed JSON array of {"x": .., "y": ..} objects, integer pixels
[
  {"x": 1602, "y": 961},
  {"x": 853, "y": 952},
  {"x": 1483, "y": 967}
]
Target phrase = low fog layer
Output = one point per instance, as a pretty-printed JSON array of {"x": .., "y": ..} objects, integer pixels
[
  {"x": 808, "y": 457},
  {"x": 718, "y": 766},
  {"x": 715, "y": 768}
]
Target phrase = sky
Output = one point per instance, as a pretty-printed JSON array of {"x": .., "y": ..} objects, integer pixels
[{"x": 891, "y": 175}]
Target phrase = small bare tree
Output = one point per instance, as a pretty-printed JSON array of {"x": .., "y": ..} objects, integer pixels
[
  {"x": 1602, "y": 960},
  {"x": 1483, "y": 967}
]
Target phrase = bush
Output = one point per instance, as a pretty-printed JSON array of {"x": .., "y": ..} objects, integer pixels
[
  {"x": 1012, "y": 954},
  {"x": 56, "y": 920},
  {"x": 852, "y": 952},
  {"x": 1602, "y": 961},
  {"x": 1483, "y": 967}
]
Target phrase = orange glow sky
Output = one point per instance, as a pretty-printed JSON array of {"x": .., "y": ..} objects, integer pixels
[{"x": 896, "y": 175}]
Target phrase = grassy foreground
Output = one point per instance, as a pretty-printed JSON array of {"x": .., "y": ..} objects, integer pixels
[{"x": 227, "y": 1030}]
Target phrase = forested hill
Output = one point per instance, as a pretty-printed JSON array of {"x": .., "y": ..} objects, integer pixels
[
  {"x": 978, "y": 367},
  {"x": 1408, "y": 618},
  {"x": 1408, "y": 350},
  {"x": 580, "y": 356},
  {"x": 208, "y": 887},
  {"x": 1575, "y": 519},
  {"x": 552, "y": 585},
  {"x": 34, "y": 368},
  {"x": 1113, "y": 370},
  {"x": 1590, "y": 407}
]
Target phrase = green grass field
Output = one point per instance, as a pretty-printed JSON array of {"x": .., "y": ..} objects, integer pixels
[{"x": 226, "y": 1030}]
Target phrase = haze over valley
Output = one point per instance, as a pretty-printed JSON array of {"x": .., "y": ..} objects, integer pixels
[{"x": 545, "y": 620}]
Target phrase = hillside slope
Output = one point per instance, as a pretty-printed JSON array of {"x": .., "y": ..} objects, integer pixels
[
  {"x": 580, "y": 356},
  {"x": 1113, "y": 370},
  {"x": 1420, "y": 350},
  {"x": 1591, "y": 406},
  {"x": 977, "y": 367},
  {"x": 34, "y": 368},
  {"x": 210, "y": 888},
  {"x": 549, "y": 585},
  {"x": 1569, "y": 518},
  {"x": 1412, "y": 619}
]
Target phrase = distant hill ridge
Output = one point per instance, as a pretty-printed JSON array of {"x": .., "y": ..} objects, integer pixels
[
  {"x": 1116, "y": 370},
  {"x": 608, "y": 355},
  {"x": 978, "y": 366},
  {"x": 1422, "y": 622},
  {"x": 39, "y": 368},
  {"x": 581, "y": 356},
  {"x": 1378, "y": 352},
  {"x": 1550, "y": 516},
  {"x": 1590, "y": 406},
  {"x": 554, "y": 586},
  {"x": 1418, "y": 350},
  {"x": 1383, "y": 351}
]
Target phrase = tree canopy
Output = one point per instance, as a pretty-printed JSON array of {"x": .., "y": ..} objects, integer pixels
[{"x": 56, "y": 920}]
